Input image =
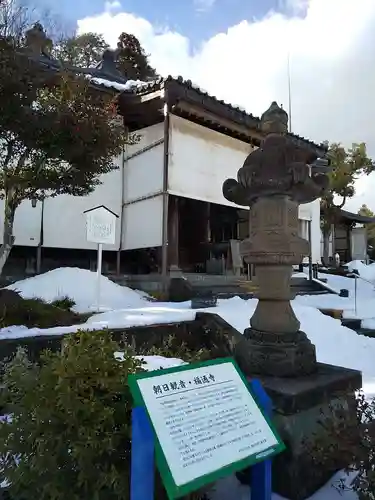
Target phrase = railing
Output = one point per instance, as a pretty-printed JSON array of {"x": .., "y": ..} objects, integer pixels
[{"x": 356, "y": 278}]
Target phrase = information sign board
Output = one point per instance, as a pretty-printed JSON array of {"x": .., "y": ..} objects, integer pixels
[
  {"x": 101, "y": 226},
  {"x": 206, "y": 421}
]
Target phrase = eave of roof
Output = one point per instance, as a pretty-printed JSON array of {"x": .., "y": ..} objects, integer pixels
[
  {"x": 178, "y": 86},
  {"x": 360, "y": 219},
  {"x": 105, "y": 77}
]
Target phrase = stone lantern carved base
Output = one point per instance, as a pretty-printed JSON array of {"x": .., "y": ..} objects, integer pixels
[{"x": 275, "y": 354}]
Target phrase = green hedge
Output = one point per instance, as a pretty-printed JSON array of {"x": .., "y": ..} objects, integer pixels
[{"x": 71, "y": 422}]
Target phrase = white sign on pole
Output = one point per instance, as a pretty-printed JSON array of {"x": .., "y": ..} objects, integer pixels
[
  {"x": 205, "y": 419},
  {"x": 100, "y": 229},
  {"x": 101, "y": 225}
]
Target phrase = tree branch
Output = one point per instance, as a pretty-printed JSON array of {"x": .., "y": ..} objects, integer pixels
[{"x": 341, "y": 204}]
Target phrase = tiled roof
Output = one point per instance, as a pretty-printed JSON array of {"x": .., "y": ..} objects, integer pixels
[
  {"x": 359, "y": 218},
  {"x": 105, "y": 75},
  {"x": 153, "y": 85}
]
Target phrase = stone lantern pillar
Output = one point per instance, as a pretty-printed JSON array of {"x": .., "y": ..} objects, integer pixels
[{"x": 273, "y": 181}]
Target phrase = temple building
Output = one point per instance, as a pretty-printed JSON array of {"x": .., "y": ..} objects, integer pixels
[
  {"x": 348, "y": 237},
  {"x": 167, "y": 191}
]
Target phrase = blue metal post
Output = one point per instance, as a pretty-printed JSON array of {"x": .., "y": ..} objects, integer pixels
[
  {"x": 142, "y": 457},
  {"x": 261, "y": 473}
]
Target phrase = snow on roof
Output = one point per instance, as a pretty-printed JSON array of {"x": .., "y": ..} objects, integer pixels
[{"x": 121, "y": 87}]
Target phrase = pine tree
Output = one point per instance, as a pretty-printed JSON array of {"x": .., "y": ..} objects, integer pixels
[
  {"x": 83, "y": 51},
  {"x": 132, "y": 60}
]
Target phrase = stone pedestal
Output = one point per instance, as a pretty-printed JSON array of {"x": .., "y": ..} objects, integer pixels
[{"x": 300, "y": 405}]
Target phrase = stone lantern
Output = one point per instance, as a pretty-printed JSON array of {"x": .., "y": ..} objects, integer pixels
[{"x": 273, "y": 181}]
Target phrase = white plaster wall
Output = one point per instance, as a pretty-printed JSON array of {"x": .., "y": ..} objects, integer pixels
[
  {"x": 26, "y": 224},
  {"x": 314, "y": 208},
  {"x": 201, "y": 159},
  {"x": 142, "y": 224},
  {"x": 144, "y": 173},
  {"x": 64, "y": 220}
]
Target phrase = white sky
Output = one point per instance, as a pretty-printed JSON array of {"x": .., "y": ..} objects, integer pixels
[{"x": 332, "y": 60}]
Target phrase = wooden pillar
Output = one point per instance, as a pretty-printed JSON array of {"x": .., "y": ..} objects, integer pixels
[
  {"x": 173, "y": 231},
  {"x": 208, "y": 222}
]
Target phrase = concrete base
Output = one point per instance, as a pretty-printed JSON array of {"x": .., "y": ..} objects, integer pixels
[{"x": 300, "y": 406}]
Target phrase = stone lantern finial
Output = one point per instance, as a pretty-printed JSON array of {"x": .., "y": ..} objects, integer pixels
[{"x": 274, "y": 120}]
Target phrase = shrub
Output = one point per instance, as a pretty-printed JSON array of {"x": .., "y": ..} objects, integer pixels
[
  {"x": 172, "y": 347},
  {"x": 70, "y": 432},
  {"x": 64, "y": 303},
  {"x": 14, "y": 310},
  {"x": 351, "y": 442},
  {"x": 70, "y": 425}
]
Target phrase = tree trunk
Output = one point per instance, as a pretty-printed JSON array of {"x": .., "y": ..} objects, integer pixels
[
  {"x": 8, "y": 237},
  {"x": 326, "y": 236}
]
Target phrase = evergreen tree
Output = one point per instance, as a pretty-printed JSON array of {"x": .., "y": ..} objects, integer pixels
[
  {"x": 57, "y": 135},
  {"x": 132, "y": 60},
  {"x": 83, "y": 51},
  {"x": 347, "y": 166}
]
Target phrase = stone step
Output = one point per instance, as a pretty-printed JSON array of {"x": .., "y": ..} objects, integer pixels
[
  {"x": 355, "y": 325},
  {"x": 251, "y": 287}
]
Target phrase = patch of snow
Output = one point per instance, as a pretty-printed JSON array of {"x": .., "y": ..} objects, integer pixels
[
  {"x": 365, "y": 307},
  {"x": 80, "y": 286},
  {"x": 151, "y": 363},
  {"x": 155, "y": 314},
  {"x": 369, "y": 323},
  {"x": 365, "y": 271}
]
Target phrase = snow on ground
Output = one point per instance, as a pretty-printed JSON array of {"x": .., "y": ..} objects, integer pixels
[
  {"x": 130, "y": 309},
  {"x": 79, "y": 285},
  {"x": 151, "y": 363},
  {"x": 127, "y": 308},
  {"x": 363, "y": 309},
  {"x": 366, "y": 271}
]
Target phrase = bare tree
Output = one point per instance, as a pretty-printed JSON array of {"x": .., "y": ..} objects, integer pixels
[{"x": 18, "y": 15}]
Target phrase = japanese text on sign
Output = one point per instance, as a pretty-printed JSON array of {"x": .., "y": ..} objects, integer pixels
[{"x": 183, "y": 384}]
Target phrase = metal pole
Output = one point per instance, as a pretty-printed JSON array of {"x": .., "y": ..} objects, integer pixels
[
  {"x": 310, "y": 252},
  {"x": 142, "y": 467},
  {"x": 164, "y": 250},
  {"x": 355, "y": 294},
  {"x": 41, "y": 238},
  {"x": 289, "y": 95},
  {"x": 99, "y": 275},
  {"x": 261, "y": 473}
]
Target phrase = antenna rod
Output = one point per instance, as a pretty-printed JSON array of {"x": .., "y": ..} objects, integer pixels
[{"x": 289, "y": 95}]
